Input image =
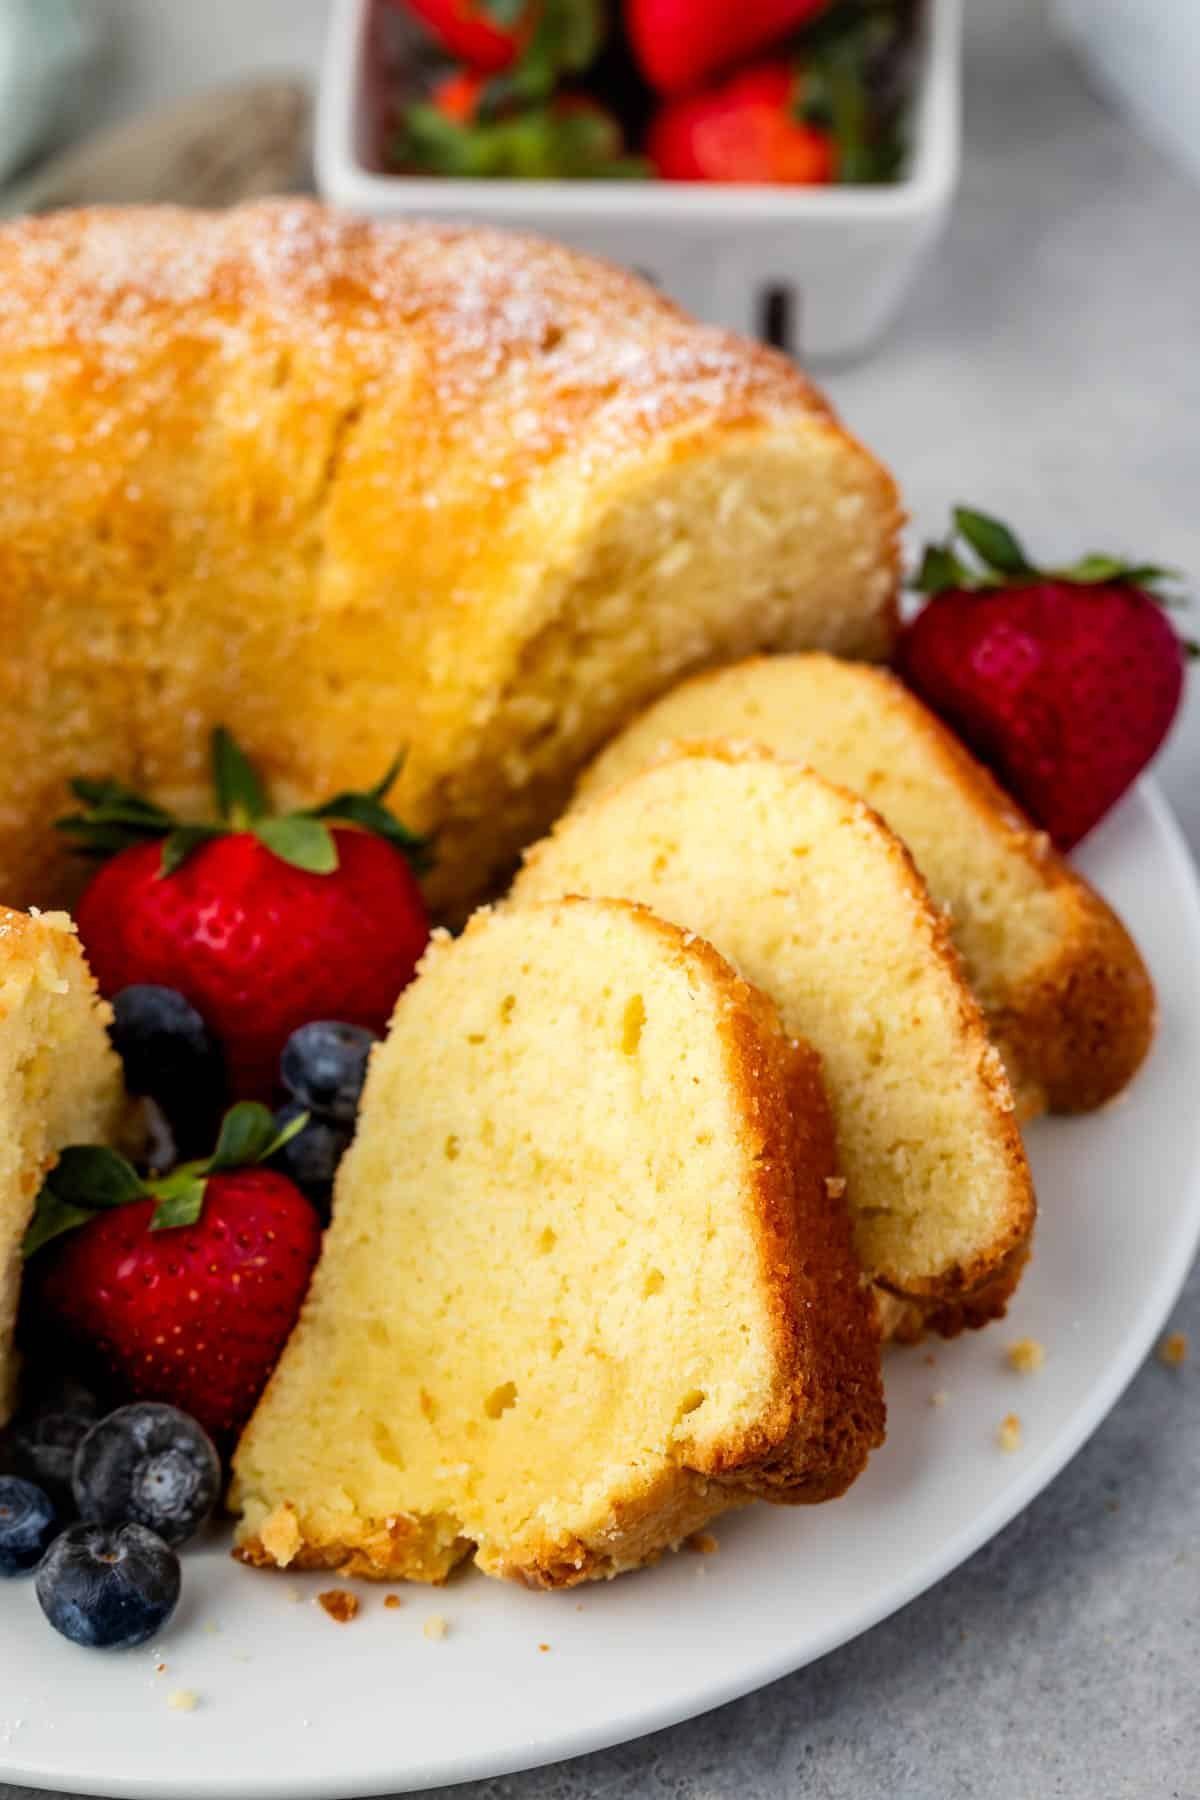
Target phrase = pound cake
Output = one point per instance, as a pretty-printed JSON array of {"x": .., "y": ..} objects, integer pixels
[
  {"x": 351, "y": 488},
  {"x": 589, "y": 1279},
  {"x": 813, "y": 899},
  {"x": 1067, "y": 997},
  {"x": 60, "y": 1083}
]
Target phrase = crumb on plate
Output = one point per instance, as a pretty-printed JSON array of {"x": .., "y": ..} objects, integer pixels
[
  {"x": 435, "y": 1626},
  {"x": 543, "y": 1646},
  {"x": 702, "y": 1543},
  {"x": 1026, "y": 1356},
  {"x": 392, "y": 1601},
  {"x": 1009, "y": 1434},
  {"x": 183, "y": 1700},
  {"x": 340, "y": 1604},
  {"x": 1174, "y": 1349}
]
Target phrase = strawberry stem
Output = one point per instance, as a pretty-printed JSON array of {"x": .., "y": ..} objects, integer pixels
[
  {"x": 90, "y": 1178},
  {"x": 998, "y": 559},
  {"x": 114, "y": 818}
]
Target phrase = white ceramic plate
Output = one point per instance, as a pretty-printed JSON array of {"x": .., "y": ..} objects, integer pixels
[{"x": 290, "y": 1704}]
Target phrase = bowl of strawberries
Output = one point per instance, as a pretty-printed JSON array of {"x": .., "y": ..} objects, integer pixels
[{"x": 778, "y": 166}]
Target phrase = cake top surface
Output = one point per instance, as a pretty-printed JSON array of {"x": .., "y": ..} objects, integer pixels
[{"x": 107, "y": 282}]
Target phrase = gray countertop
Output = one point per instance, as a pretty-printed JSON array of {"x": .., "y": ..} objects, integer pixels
[{"x": 1047, "y": 368}]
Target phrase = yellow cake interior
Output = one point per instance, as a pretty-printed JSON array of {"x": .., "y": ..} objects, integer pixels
[{"x": 59, "y": 1084}]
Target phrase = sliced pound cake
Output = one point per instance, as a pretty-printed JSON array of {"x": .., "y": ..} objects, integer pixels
[
  {"x": 814, "y": 900},
  {"x": 60, "y": 1083},
  {"x": 589, "y": 1280},
  {"x": 1067, "y": 997}
]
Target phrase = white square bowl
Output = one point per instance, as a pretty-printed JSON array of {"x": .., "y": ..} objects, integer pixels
[{"x": 819, "y": 271}]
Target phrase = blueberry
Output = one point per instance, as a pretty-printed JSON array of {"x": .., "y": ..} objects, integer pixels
[
  {"x": 151, "y": 1464},
  {"x": 28, "y": 1523},
  {"x": 310, "y": 1159},
  {"x": 42, "y": 1448},
  {"x": 324, "y": 1065},
  {"x": 171, "y": 1056},
  {"x": 109, "y": 1587}
]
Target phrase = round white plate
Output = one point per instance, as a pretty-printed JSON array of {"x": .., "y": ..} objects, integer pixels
[{"x": 290, "y": 1704}]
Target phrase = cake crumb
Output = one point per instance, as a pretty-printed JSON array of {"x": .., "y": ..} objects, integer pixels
[
  {"x": 543, "y": 1646},
  {"x": 292, "y": 1594},
  {"x": 939, "y": 1397},
  {"x": 435, "y": 1626},
  {"x": 702, "y": 1543},
  {"x": 183, "y": 1700},
  {"x": 280, "y": 1534},
  {"x": 340, "y": 1604},
  {"x": 160, "y": 1668},
  {"x": 835, "y": 1186},
  {"x": 579, "y": 1606},
  {"x": 1009, "y": 1434},
  {"x": 392, "y": 1601},
  {"x": 1026, "y": 1356},
  {"x": 1174, "y": 1349}
]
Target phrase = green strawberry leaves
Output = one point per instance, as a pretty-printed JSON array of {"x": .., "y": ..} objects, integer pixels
[
  {"x": 303, "y": 842},
  {"x": 241, "y": 798},
  {"x": 248, "y": 1135},
  {"x": 998, "y": 559},
  {"x": 114, "y": 817},
  {"x": 90, "y": 1178},
  {"x": 992, "y": 542},
  {"x": 367, "y": 809},
  {"x": 838, "y": 90}
]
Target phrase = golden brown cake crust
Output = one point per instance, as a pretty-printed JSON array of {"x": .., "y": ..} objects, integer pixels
[
  {"x": 965, "y": 1295},
  {"x": 1077, "y": 1031},
  {"x": 1073, "y": 1031},
  {"x": 330, "y": 482}
]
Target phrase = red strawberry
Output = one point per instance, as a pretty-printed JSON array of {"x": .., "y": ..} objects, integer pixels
[
  {"x": 527, "y": 44},
  {"x": 1063, "y": 681},
  {"x": 680, "y": 43},
  {"x": 181, "y": 1289},
  {"x": 745, "y": 130},
  {"x": 481, "y": 33},
  {"x": 263, "y": 923}
]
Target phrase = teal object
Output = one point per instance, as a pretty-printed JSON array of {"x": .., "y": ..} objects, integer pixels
[{"x": 47, "y": 48}]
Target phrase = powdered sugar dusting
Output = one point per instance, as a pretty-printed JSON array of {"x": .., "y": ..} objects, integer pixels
[{"x": 476, "y": 318}]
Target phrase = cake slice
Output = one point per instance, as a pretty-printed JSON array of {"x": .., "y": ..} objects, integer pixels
[
  {"x": 60, "y": 1083},
  {"x": 813, "y": 899},
  {"x": 589, "y": 1280},
  {"x": 1067, "y": 997}
]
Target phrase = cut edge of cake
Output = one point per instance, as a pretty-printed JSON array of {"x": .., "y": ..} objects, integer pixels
[
  {"x": 60, "y": 1083},
  {"x": 826, "y": 1408},
  {"x": 1073, "y": 1026},
  {"x": 972, "y": 1290}
]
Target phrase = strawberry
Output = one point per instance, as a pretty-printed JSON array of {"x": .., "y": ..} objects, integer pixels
[
  {"x": 680, "y": 43},
  {"x": 1063, "y": 681},
  {"x": 744, "y": 130},
  {"x": 525, "y": 46},
  {"x": 485, "y": 34},
  {"x": 262, "y": 922},
  {"x": 182, "y": 1288}
]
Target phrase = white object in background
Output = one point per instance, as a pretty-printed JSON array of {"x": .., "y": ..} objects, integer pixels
[
  {"x": 46, "y": 49},
  {"x": 1146, "y": 54},
  {"x": 820, "y": 270}
]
